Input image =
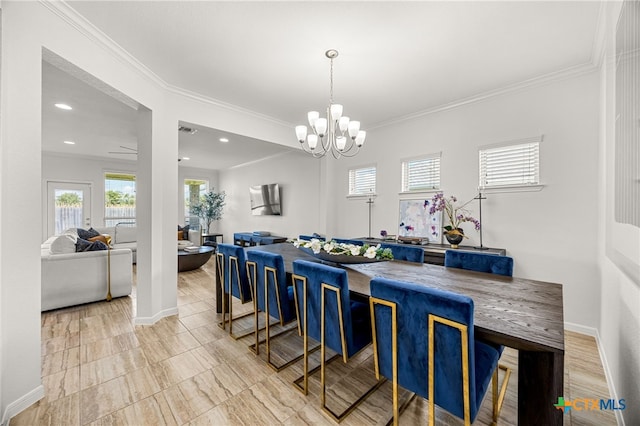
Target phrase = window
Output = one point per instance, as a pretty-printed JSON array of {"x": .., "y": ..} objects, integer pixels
[
  {"x": 119, "y": 198},
  {"x": 193, "y": 190},
  {"x": 362, "y": 181},
  {"x": 421, "y": 173},
  {"x": 515, "y": 163}
]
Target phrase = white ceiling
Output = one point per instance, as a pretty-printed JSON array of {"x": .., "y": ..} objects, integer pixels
[{"x": 396, "y": 58}]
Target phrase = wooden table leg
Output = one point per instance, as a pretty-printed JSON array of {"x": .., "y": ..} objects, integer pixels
[{"x": 540, "y": 383}]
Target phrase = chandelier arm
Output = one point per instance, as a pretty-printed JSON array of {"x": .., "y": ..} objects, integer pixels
[
  {"x": 314, "y": 153},
  {"x": 347, "y": 155}
]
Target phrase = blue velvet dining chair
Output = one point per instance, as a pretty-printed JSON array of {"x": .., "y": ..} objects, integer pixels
[
  {"x": 405, "y": 252},
  {"x": 424, "y": 341},
  {"x": 230, "y": 263},
  {"x": 481, "y": 262},
  {"x": 326, "y": 314},
  {"x": 272, "y": 296},
  {"x": 349, "y": 241},
  {"x": 310, "y": 237}
]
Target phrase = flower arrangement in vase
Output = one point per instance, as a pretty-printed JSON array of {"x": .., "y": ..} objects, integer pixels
[
  {"x": 456, "y": 215},
  {"x": 343, "y": 252}
]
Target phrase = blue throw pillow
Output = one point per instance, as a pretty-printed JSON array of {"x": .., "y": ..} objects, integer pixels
[
  {"x": 85, "y": 234},
  {"x": 84, "y": 245}
]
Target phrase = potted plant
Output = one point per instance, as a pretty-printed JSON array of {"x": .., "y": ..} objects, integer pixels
[
  {"x": 209, "y": 208},
  {"x": 456, "y": 214}
]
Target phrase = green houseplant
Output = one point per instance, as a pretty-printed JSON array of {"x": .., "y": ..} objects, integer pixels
[{"x": 209, "y": 208}]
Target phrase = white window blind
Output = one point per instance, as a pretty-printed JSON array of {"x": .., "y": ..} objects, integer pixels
[
  {"x": 515, "y": 163},
  {"x": 362, "y": 181},
  {"x": 421, "y": 174}
]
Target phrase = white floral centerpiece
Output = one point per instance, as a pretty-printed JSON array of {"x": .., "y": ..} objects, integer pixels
[{"x": 343, "y": 252}]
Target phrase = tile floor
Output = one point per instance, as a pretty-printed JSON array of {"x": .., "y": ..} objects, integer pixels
[{"x": 100, "y": 369}]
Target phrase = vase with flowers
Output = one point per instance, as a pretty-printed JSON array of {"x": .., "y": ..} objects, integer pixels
[{"x": 456, "y": 215}]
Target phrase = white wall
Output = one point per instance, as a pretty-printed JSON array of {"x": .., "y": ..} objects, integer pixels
[
  {"x": 619, "y": 255},
  {"x": 297, "y": 174},
  {"x": 552, "y": 234}
]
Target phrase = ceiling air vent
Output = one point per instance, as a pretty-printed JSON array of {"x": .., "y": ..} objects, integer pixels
[{"x": 189, "y": 130}]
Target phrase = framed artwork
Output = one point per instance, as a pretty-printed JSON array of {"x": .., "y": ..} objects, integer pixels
[{"x": 415, "y": 221}]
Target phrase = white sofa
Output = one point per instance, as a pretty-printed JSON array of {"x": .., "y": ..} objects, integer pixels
[
  {"x": 70, "y": 278},
  {"x": 122, "y": 236}
]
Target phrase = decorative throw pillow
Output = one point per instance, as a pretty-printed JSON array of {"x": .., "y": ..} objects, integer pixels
[
  {"x": 65, "y": 243},
  {"x": 98, "y": 238},
  {"x": 85, "y": 245},
  {"x": 85, "y": 234}
]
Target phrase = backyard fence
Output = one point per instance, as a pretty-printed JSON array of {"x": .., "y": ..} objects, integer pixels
[{"x": 71, "y": 216}]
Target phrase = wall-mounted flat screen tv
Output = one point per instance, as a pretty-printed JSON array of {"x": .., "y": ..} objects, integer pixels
[{"x": 265, "y": 199}]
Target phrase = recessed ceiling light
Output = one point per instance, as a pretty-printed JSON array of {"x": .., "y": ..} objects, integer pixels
[
  {"x": 225, "y": 140},
  {"x": 70, "y": 142},
  {"x": 63, "y": 106},
  {"x": 186, "y": 158}
]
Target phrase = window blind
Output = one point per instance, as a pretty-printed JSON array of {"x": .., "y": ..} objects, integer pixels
[
  {"x": 362, "y": 181},
  {"x": 515, "y": 163},
  {"x": 421, "y": 174}
]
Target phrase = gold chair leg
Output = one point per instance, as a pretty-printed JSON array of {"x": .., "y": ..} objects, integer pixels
[{"x": 498, "y": 399}]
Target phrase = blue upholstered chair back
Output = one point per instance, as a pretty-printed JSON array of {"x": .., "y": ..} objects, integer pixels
[
  {"x": 414, "y": 304},
  {"x": 281, "y": 305},
  {"x": 348, "y": 241},
  {"x": 234, "y": 271},
  {"x": 405, "y": 252},
  {"x": 481, "y": 262},
  {"x": 310, "y": 237},
  {"x": 357, "y": 334}
]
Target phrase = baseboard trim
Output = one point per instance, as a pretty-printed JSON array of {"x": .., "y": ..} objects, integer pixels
[
  {"x": 593, "y": 332},
  {"x": 22, "y": 403},
  {"x": 157, "y": 317},
  {"x": 609, "y": 377},
  {"x": 582, "y": 329}
]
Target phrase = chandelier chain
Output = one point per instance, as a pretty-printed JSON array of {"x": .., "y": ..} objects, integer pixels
[{"x": 331, "y": 84}]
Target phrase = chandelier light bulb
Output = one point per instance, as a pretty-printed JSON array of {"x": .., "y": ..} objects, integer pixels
[
  {"x": 301, "y": 133},
  {"x": 312, "y": 116},
  {"x": 312, "y": 140},
  {"x": 360, "y": 138},
  {"x": 354, "y": 127},
  {"x": 336, "y": 112},
  {"x": 321, "y": 126},
  {"x": 343, "y": 123},
  {"x": 341, "y": 142}
]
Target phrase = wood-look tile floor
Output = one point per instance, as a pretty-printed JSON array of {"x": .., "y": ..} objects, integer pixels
[{"x": 100, "y": 369}]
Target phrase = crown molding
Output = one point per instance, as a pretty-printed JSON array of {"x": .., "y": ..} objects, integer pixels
[
  {"x": 78, "y": 22},
  {"x": 224, "y": 105},
  {"x": 259, "y": 160},
  {"x": 567, "y": 73}
]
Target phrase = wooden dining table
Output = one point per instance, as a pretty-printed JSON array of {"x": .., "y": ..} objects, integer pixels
[{"x": 520, "y": 313}]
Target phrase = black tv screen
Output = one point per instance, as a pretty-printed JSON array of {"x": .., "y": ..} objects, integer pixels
[{"x": 265, "y": 199}]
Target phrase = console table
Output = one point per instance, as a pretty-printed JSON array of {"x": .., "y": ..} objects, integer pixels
[
  {"x": 244, "y": 239},
  {"x": 211, "y": 238},
  {"x": 434, "y": 253}
]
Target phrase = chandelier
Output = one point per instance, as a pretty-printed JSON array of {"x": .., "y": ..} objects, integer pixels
[{"x": 336, "y": 134}]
